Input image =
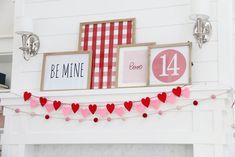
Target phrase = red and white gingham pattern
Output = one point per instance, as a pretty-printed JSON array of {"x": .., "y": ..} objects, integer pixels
[{"x": 102, "y": 39}]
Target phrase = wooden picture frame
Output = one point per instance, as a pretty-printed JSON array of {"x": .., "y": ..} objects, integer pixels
[
  {"x": 102, "y": 38},
  {"x": 170, "y": 64},
  {"x": 132, "y": 65},
  {"x": 64, "y": 66}
]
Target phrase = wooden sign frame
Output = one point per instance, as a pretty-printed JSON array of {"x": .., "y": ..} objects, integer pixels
[
  {"x": 119, "y": 67},
  {"x": 188, "y": 62},
  {"x": 102, "y": 38},
  {"x": 75, "y": 53}
]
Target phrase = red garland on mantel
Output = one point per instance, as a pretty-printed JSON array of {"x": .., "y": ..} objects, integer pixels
[
  {"x": 102, "y": 111},
  {"x": 110, "y": 107}
]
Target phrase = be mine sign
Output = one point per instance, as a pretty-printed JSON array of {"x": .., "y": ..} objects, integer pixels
[
  {"x": 68, "y": 70},
  {"x": 65, "y": 71}
]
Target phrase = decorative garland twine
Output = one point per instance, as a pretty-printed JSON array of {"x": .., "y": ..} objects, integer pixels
[{"x": 96, "y": 119}]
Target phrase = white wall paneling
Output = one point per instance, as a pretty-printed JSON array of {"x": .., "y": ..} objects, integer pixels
[
  {"x": 58, "y": 31},
  {"x": 226, "y": 55},
  {"x": 6, "y": 18},
  {"x": 6, "y": 44}
]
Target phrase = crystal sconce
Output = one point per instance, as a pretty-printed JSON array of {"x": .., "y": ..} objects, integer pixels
[
  {"x": 30, "y": 41},
  {"x": 200, "y": 14}
]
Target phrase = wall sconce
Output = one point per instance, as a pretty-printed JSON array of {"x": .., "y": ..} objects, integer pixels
[
  {"x": 30, "y": 44},
  {"x": 200, "y": 14},
  {"x": 30, "y": 41}
]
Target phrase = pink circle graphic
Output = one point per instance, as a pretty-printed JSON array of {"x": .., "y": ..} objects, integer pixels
[{"x": 169, "y": 66}]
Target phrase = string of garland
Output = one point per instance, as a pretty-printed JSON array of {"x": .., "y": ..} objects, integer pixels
[
  {"x": 96, "y": 119},
  {"x": 161, "y": 95}
]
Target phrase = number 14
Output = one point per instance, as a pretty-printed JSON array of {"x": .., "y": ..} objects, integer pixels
[{"x": 172, "y": 66}]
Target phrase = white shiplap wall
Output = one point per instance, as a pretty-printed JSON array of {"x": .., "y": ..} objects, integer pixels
[
  {"x": 6, "y": 18},
  {"x": 57, "y": 24}
]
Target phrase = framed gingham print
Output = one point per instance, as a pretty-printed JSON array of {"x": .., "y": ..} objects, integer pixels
[{"x": 102, "y": 38}]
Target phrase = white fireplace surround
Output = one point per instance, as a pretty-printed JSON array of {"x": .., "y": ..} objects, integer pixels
[{"x": 206, "y": 127}]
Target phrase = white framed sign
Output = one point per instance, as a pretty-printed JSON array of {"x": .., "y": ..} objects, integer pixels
[
  {"x": 170, "y": 64},
  {"x": 66, "y": 71}
]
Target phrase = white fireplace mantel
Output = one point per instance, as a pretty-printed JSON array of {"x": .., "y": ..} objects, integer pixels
[{"x": 207, "y": 126}]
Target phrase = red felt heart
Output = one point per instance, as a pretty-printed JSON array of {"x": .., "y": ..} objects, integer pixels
[
  {"x": 56, "y": 104},
  {"x": 177, "y": 91},
  {"x": 162, "y": 97},
  {"x": 128, "y": 105},
  {"x": 145, "y": 101},
  {"x": 92, "y": 108},
  {"x": 75, "y": 107},
  {"x": 43, "y": 101},
  {"x": 27, "y": 96},
  {"x": 110, "y": 107}
]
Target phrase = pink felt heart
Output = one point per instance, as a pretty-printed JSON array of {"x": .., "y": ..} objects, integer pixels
[
  {"x": 33, "y": 103},
  {"x": 102, "y": 112},
  {"x": 140, "y": 108},
  {"x": 49, "y": 107},
  {"x": 119, "y": 111},
  {"x": 66, "y": 110},
  {"x": 171, "y": 98},
  {"x": 155, "y": 104},
  {"x": 84, "y": 112},
  {"x": 185, "y": 92}
]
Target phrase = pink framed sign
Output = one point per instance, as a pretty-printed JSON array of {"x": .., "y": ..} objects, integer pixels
[
  {"x": 133, "y": 65},
  {"x": 170, "y": 64}
]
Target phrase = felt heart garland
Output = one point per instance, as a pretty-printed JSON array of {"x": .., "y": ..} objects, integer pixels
[
  {"x": 140, "y": 106},
  {"x": 102, "y": 112}
]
